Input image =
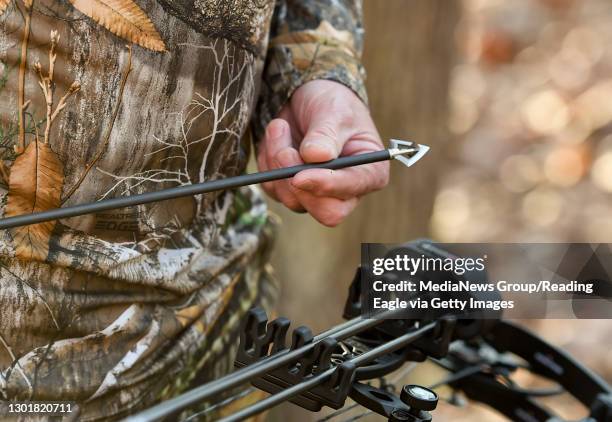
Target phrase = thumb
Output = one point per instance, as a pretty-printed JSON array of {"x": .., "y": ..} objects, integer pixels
[{"x": 324, "y": 138}]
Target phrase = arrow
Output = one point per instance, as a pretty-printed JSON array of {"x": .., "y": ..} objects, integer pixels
[{"x": 406, "y": 152}]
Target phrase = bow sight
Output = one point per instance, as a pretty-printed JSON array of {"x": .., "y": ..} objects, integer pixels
[{"x": 481, "y": 355}]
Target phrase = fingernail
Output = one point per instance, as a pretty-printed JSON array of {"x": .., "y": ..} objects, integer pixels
[
  {"x": 319, "y": 147},
  {"x": 275, "y": 130}
]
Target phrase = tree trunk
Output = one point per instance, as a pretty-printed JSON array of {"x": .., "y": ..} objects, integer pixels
[{"x": 409, "y": 53}]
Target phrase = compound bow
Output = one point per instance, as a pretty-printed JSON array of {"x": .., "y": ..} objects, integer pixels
[{"x": 325, "y": 370}]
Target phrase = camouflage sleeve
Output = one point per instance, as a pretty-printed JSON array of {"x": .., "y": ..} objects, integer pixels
[{"x": 311, "y": 39}]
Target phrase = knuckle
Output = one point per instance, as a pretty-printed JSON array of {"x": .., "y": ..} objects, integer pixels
[
  {"x": 275, "y": 128},
  {"x": 268, "y": 187},
  {"x": 379, "y": 177},
  {"x": 326, "y": 129},
  {"x": 346, "y": 117},
  {"x": 325, "y": 187},
  {"x": 363, "y": 186},
  {"x": 332, "y": 218},
  {"x": 292, "y": 203},
  {"x": 383, "y": 179}
]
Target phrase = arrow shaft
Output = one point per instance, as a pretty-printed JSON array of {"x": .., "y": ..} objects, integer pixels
[{"x": 189, "y": 190}]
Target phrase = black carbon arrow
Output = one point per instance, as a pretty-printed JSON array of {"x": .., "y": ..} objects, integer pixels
[{"x": 406, "y": 152}]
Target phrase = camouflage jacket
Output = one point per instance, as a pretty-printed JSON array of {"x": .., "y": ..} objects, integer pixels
[{"x": 104, "y": 98}]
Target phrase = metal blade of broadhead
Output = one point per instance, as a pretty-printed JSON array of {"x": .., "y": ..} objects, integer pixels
[{"x": 407, "y": 152}]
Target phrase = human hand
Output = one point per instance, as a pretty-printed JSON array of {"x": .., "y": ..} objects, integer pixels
[{"x": 322, "y": 121}]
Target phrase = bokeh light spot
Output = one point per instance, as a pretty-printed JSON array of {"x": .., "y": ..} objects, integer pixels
[
  {"x": 601, "y": 173},
  {"x": 519, "y": 173},
  {"x": 545, "y": 112},
  {"x": 542, "y": 207},
  {"x": 564, "y": 166}
]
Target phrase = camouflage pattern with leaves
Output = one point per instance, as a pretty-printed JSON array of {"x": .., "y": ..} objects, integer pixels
[{"x": 118, "y": 310}]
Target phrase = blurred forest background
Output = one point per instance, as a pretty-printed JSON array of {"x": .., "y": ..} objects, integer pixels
[{"x": 515, "y": 99}]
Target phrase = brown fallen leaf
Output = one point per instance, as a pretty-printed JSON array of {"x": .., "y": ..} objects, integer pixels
[
  {"x": 123, "y": 18},
  {"x": 35, "y": 184},
  {"x": 3, "y": 5}
]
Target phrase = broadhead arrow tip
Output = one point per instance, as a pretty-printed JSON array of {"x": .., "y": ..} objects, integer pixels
[{"x": 407, "y": 152}]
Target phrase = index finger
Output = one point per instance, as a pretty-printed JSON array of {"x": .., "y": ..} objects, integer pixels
[{"x": 346, "y": 183}]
